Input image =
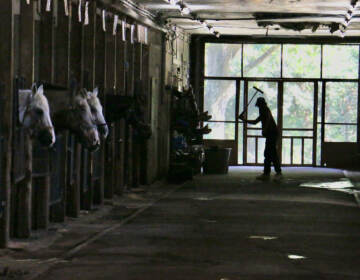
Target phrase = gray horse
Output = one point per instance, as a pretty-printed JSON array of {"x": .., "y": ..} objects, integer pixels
[
  {"x": 97, "y": 112},
  {"x": 72, "y": 112},
  {"x": 34, "y": 115}
]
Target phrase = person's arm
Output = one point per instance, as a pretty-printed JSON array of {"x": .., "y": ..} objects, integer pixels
[{"x": 241, "y": 117}]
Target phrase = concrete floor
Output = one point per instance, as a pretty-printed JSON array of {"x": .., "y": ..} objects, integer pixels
[
  {"x": 214, "y": 227},
  {"x": 231, "y": 227}
]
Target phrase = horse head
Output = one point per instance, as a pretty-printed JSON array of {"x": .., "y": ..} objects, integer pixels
[
  {"x": 82, "y": 121},
  {"x": 34, "y": 115},
  {"x": 97, "y": 112}
]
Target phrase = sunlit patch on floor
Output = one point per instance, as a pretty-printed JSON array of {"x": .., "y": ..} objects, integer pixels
[
  {"x": 342, "y": 185},
  {"x": 203, "y": 198},
  {"x": 263, "y": 237},
  {"x": 296, "y": 257}
]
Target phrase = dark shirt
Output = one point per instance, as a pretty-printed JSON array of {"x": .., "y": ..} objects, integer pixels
[{"x": 268, "y": 123}]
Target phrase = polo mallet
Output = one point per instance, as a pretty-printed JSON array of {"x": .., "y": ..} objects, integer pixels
[{"x": 256, "y": 91}]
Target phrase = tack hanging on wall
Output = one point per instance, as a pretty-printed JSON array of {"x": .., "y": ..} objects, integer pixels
[
  {"x": 79, "y": 11},
  {"x": 103, "y": 20},
  {"x": 132, "y": 33},
  {"x": 86, "y": 21},
  {"x": 116, "y": 19},
  {"x": 123, "y": 27},
  {"x": 139, "y": 33},
  {"x": 146, "y": 35},
  {"x": 66, "y": 7},
  {"x": 48, "y": 6}
]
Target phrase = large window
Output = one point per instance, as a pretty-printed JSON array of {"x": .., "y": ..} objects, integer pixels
[
  {"x": 299, "y": 81},
  {"x": 341, "y": 112}
]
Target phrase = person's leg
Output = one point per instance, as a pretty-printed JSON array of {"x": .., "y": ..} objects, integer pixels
[
  {"x": 267, "y": 156},
  {"x": 274, "y": 154}
]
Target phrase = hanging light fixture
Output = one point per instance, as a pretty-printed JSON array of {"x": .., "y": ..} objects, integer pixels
[{"x": 211, "y": 29}]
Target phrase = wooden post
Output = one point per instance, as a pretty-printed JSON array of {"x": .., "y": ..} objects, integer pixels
[
  {"x": 61, "y": 76},
  {"x": 120, "y": 125},
  {"x": 129, "y": 58},
  {"x": 99, "y": 76},
  {"x": 73, "y": 192},
  {"x": 110, "y": 64},
  {"x": 136, "y": 144},
  {"x": 146, "y": 85},
  {"x": 41, "y": 186},
  {"x": 87, "y": 81},
  {"x": 24, "y": 195},
  {"x": 58, "y": 210}
]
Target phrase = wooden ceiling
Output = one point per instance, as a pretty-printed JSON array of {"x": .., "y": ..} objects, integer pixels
[{"x": 260, "y": 17}]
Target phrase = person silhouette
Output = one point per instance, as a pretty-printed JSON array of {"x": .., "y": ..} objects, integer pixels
[{"x": 271, "y": 132}]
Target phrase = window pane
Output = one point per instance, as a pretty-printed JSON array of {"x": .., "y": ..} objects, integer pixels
[
  {"x": 286, "y": 150},
  {"x": 250, "y": 150},
  {"x": 308, "y": 151},
  {"x": 262, "y": 60},
  {"x": 240, "y": 144},
  {"x": 261, "y": 148},
  {"x": 297, "y": 133},
  {"x": 297, "y": 151},
  {"x": 219, "y": 99},
  {"x": 319, "y": 101},
  {"x": 302, "y": 61},
  {"x": 318, "y": 145},
  {"x": 223, "y": 60},
  {"x": 254, "y": 132},
  {"x": 298, "y": 105},
  {"x": 340, "y": 62},
  {"x": 341, "y": 102},
  {"x": 340, "y": 133},
  {"x": 221, "y": 131}
]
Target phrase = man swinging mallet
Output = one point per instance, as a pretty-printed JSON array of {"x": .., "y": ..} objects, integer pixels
[{"x": 270, "y": 132}]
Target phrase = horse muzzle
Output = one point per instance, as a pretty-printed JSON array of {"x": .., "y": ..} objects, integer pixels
[
  {"x": 46, "y": 137},
  {"x": 92, "y": 140},
  {"x": 103, "y": 131}
]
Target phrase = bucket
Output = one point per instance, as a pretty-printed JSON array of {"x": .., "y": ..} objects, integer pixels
[{"x": 216, "y": 160}]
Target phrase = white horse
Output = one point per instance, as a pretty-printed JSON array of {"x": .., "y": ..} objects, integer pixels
[
  {"x": 97, "y": 112},
  {"x": 34, "y": 115}
]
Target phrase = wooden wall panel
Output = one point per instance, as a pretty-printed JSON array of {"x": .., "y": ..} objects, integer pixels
[
  {"x": 6, "y": 75},
  {"x": 26, "y": 57},
  {"x": 61, "y": 45},
  {"x": 46, "y": 63}
]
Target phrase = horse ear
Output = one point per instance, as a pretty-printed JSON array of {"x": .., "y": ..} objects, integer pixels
[
  {"x": 40, "y": 90},
  {"x": 33, "y": 89},
  {"x": 95, "y": 91},
  {"x": 83, "y": 93}
]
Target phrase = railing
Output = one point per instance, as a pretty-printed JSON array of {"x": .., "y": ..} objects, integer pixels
[{"x": 304, "y": 158}]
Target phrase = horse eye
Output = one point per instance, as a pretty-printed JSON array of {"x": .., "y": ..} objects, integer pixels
[{"x": 39, "y": 111}]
